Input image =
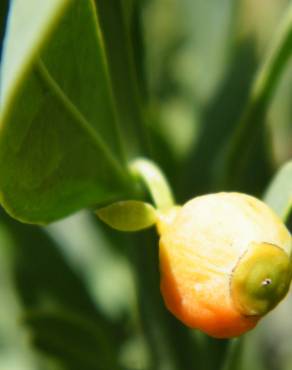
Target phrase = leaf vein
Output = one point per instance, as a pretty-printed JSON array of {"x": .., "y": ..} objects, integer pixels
[{"x": 77, "y": 115}]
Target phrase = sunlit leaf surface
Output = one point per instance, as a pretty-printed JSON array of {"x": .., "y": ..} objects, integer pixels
[{"x": 59, "y": 145}]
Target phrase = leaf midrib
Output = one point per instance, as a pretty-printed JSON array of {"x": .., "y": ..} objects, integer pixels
[{"x": 75, "y": 113}]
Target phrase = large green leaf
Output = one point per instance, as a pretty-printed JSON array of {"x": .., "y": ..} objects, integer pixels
[
  {"x": 59, "y": 144},
  {"x": 279, "y": 192}
]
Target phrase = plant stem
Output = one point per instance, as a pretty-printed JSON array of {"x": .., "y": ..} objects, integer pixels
[
  {"x": 155, "y": 182},
  {"x": 233, "y": 356},
  {"x": 171, "y": 344}
]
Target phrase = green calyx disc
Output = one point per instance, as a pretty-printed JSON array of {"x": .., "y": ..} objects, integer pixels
[{"x": 261, "y": 279}]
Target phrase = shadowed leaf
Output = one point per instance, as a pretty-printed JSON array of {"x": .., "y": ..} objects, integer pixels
[
  {"x": 247, "y": 154},
  {"x": 56, "y": 305}
]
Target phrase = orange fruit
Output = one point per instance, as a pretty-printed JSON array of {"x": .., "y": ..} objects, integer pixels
[{"x": 224, "y": 261}]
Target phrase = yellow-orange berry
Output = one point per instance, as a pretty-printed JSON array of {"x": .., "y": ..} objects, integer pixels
[{"x": 225, "y": 262}]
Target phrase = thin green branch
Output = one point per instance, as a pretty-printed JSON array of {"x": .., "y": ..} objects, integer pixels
[{"x": 155, "y": 182}]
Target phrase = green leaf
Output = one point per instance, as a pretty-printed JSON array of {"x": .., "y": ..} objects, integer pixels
[
  {"x": 219, "y": 120},
  {"x": 116, "y": 18},
  {"x": 130, "y": 215},
  {"x": 60, "y": 149},
  {"x": 279, "y": 193},
  {"x": 28, "y": 27}
]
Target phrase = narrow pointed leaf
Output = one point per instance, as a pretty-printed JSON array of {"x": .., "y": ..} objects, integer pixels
[
  {"x": 279, "y": 192},
  {"x": 115, "y": 18},
  {"x": 250, "y": 136},
  {"x": 60, "y": 149}
]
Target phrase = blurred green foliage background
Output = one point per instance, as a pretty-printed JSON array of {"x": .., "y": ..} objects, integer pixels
[{"x": 87, "y": 297}]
